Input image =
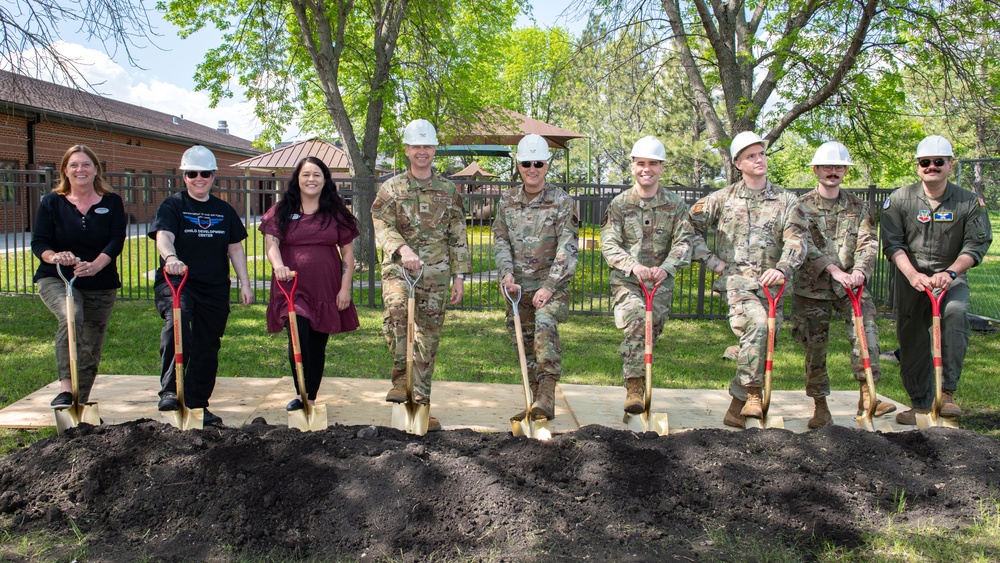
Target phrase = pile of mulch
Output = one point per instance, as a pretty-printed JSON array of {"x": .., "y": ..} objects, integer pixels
[{"x": 144, "y": 490}]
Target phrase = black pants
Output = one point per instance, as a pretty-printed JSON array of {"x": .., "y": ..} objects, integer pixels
[
  {"x": 313, "y": 345},
  {"x": 203, "y": 322}
]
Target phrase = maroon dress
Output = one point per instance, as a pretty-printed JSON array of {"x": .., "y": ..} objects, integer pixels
[{"x": 311, "y": 249}]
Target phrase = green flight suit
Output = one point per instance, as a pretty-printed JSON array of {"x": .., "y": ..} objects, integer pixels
[{"x": 933, "y": 238}]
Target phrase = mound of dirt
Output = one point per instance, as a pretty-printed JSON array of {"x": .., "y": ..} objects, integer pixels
[{"x": 145, "y": 490}]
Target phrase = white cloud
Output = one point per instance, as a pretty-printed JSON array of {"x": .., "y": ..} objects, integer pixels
[{"x": 111, "y": 80}]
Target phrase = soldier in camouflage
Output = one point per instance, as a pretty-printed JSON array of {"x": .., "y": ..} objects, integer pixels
[
  {"x": 842, "y": 250},
  {"x": 535, "y": 246},
  {"x": 419, "y": 223},
  {"x": 933, "y": 231},
  {"x": 645, "y": 239},
  {"x": 759, "y": 241}
]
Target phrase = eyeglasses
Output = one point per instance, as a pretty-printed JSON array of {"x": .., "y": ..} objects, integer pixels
[
  {"x": 925, "y": 162},
  {"x": 535, "y": 163},
  {"x": 192, "y": 174},
  {"x": 836, "y": 167}
]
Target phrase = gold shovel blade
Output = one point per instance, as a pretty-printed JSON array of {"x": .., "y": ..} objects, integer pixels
[
  {"x": 930, "y": 420},
  {"x": 648, "y": 422},
  {"x": 873, "y": 424},
  {"x": 186, "y": 419},
  {"x": 537, "y": 429},
  {"x": 411, "y": 417},
  {"x": 314, "y": 423},
  {"x": 72, "y": 416},
  {"x": 769, "y": 421}
]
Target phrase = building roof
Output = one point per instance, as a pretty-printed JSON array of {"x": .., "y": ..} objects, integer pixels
[
  {"x": 19, "y": 93},
  {"x": 287, "y": 158},
  {"x": 500, "y": 126},
  {"x": 473, "y": 170}
]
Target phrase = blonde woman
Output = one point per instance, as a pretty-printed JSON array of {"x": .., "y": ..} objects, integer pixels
[{"x": 80, "y": 227}]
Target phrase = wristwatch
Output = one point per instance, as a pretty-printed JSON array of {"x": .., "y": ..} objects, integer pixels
[
  {"x": 460, "y": 276},
  {"x": 951, "y": 273}
]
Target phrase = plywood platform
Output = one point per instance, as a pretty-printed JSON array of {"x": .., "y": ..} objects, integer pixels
[{"x": 480, "y": 406}]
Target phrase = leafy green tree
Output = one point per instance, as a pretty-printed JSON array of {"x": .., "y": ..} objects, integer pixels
[
  {"x": 764, "y": 65},
  {"x": 353, "y": 67}
]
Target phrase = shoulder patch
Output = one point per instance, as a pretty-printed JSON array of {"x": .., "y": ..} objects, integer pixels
[
  {"x": 697, "y": 208},
  {"x": 982, "y": 202},
  {"x": 886, "y": 204},
  {"x": 378, "y": 204}
]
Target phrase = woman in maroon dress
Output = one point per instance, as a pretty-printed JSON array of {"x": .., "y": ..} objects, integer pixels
[{"x": 310, "y": 232}]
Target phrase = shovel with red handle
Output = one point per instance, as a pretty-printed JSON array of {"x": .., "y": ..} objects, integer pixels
[
  {"x": 310, "y": 417},
  {"x": 73, "y": 415},
  {"x": 934, "y": 418},
  {"x": 647, "y": 421},
  {"x": 769, "y": 421},
  {"x": 867, "y": 419},
  {"x": 182, "y": 418}
]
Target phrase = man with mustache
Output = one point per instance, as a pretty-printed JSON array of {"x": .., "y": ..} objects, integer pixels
[
  {"x": 842, "y": 250},
  {"x": 933, "y": 231}
]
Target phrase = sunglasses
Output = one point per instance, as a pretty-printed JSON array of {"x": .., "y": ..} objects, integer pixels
[
  {"x": 924, "y": 163},
  {"x": 535, "y": 163},
  {"x": 192, "y": 174}
]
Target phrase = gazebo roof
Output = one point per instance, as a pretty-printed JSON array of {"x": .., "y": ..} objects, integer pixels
[
  {"x": 501, "y": 126},
  {"x": 287, "y": 158},
  {"x": 472, "y": 171}
]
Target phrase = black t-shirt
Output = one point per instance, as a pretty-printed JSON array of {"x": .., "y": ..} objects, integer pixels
[
  {"x": 203, "y": 231},
  {"x": 60, "y": 227}
]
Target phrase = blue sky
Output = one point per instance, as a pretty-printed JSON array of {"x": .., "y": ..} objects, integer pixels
[{"x": 165, "y": 81}]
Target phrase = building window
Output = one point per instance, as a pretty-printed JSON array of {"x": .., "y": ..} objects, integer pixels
[{"x": 8, "y": 191}]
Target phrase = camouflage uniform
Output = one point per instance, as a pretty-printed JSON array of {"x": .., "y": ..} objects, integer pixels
[
  {"x": 536, "y": 242},
  {"x": 841, "y": 232},
  {"x": 656, "y": 233},
  {"x": 431, "y": 221},
  {"x": 754, "y": 232},
  {"x": 933, "y": 238}
]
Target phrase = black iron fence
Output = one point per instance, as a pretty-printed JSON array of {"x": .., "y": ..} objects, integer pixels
[{"x": 252, "y": 196}]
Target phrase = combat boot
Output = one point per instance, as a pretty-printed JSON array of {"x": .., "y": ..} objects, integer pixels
[
  {"x": 635, "y": 388},
  {"x": 433, "y": 424},
  {"x": 909, "y": 417},
  {"x": 821, "y": 414},
  {"x": 534, "y": 393},
  {"x": 754, "y": 406},
  {"x": 545, "y": 399},
  {"x": 733, "y": 417},
  {"x": 881, "y": 407},
  {"x": 398, "y": 392},
  {"x": 948, "y": 405}
]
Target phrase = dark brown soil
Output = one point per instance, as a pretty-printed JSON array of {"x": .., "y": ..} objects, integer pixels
[{"x": 144, "y": 490}]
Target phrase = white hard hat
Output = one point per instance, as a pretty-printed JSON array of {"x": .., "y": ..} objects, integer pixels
[
  {"x": 934, "y": 145},
  {"x": 831, "y": 154},
  {"x": 533, "y": 147},
  {"x": 420, "y": 132},
  {"x": 198, "y": 158},
  {"x": 744, "y": 140},
  {"x": 649, "y": 147}
]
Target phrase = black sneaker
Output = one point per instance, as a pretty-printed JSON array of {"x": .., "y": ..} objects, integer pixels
[
  {"x": 168, "y": 402},
  {"x": 293, "y": 405},
  {"x": 63, "y": 400},
  {"x": 211, "y": 419}
]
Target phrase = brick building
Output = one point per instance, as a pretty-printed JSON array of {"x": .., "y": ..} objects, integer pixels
[{"x": 139, "y": 148}]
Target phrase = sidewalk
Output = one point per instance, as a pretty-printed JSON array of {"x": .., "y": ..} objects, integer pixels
[{"x": 484, "y": 407}]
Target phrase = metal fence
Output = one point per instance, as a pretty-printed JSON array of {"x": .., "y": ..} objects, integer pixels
[{"x": 251, "y": 197}]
